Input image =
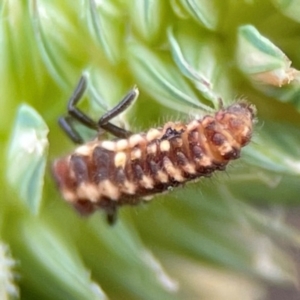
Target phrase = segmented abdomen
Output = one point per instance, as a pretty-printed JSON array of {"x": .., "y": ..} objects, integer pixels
[{"x": 105, "y": 174}]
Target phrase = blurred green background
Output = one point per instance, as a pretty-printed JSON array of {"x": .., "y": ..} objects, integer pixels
[{"x": 228, "y": 237}]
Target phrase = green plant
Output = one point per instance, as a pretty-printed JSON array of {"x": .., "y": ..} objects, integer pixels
[{"x": 184, "y": 55}]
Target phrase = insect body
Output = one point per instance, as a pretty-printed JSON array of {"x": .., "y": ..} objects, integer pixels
[{"x": 107, "y": 174}]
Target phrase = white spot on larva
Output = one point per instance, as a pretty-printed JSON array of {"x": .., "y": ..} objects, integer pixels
[
  {"x": 120, "y": 159},
  {"x": 84, "y": 150},
  {"x": 121, "y": 145},
  {"x": 153, "y": 134},
  {"x": 205, "y": 161},
  {"x": 152, "y": 148},
  {"x": 246, "y": 131},
  {"x": 68, "y": 195},
  {"x": 108, "y": 189},
  {"x": 164, "y": 146},
  {"x": 147, "y": 182},
  {"x": 136, "y": 154},
  {"x": 109, "y": 145},
  {"x": 189, "y": 168},
  {"x": 88, "y": 191},
  {"x": 172, "y": 171},
  {"x": 128, "y": 187},
  {"x": 162, "y": 176},
  {"x": 225, "y": 148},
  {"x": 135, "y": 140}
]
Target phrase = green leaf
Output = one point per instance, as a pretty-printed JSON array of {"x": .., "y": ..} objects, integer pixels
[
  {"x": 55, "y": 49},
  {"x": 205, "y": 12},
  {"x": 53, "y": 268},
  {"x": 260, "y": 60},
  {"x": 267, "y": 67},
  {"x": 214, "y": 226},
  {"x": 157, "y": 75},
  {"x": 106, "y": 26},
  {"x": 8, "y": 289},
  {"x": 290, "y": 8},
  {"x": 287, "y": 94},
  {"x": 148, "y": 18},
  {"x": 276, "y": 148},
  {"x": 198, "y": 58},
  {"x": 159, "y": 250},
  {"x": 27, "y": 155},
  {"x": 128, "y": 263}
]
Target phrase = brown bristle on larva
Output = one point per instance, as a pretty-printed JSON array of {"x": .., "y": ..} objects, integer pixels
[{"x": 107, "y": 174}]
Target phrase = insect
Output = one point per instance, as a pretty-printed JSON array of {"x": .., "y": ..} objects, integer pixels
[{"x": 107, "y": 174}]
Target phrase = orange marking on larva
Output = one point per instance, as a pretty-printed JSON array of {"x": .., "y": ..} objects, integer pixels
[
  {"x": 192, "y": 125},
  {"x": 184, "y": 164},
  {"x": 178, "y": 142},
  {"x": 172, "y": 170},
  {"x": 203, "y": 141},
  {"x": 152, "y": 149},
  {"x": 111, "y": 173}
]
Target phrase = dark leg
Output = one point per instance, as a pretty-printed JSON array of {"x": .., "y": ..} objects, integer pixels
[
  {"x": 66, "y": 125},
  {"x": 119, "y": 108},
  {"x": 74, "y": 111},
  {"x": 111, "y": 215},
  {"x": 116, "y": 131}
]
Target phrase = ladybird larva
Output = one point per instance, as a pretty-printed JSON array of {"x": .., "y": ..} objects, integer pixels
[{"x": 106, "y": 174}]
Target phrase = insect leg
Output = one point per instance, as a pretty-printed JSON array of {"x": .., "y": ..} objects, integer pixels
[
  {"x": 116, "y": 131},
  {"x": 67, "y": 126},
  {"x": 111, "y": 215},
  {"x": 119, "y": 108},
  {"x": 74, "y": 99}
]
